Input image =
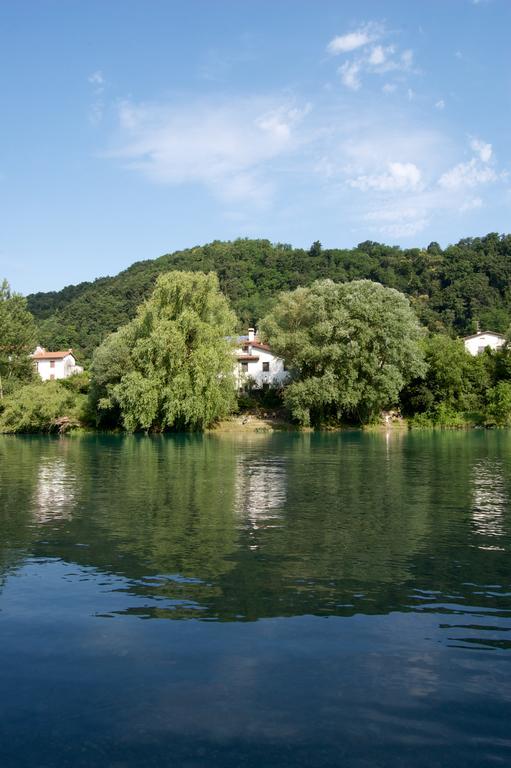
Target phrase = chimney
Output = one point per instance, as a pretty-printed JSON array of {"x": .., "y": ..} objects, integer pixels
[{"x": 251, "y": 334}]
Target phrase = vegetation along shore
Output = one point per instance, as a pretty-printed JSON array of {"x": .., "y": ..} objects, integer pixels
[{"x": 365, "y": 336}]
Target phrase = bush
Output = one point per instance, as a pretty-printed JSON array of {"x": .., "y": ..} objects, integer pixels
[{"x": 43, "y": 407}]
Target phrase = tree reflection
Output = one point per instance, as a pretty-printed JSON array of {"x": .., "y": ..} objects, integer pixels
[{"x": 267, "y": 525}]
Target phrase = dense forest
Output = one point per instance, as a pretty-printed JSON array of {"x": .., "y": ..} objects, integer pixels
[{"x": 452, "y": 290}]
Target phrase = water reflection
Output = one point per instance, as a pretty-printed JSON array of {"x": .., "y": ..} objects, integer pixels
[
  {"x": 277, "y": 525},
  {"x": 260, "y": 488},
  {"x": 490, "y": 500},
  {"x": 55, "y": 491}
]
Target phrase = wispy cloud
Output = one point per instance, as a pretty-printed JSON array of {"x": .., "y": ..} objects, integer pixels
[
  {"x": 391, "y": 166},
  {"x": 401, "y": 176},
  {"x": 471, "y": 204},
  {"x": 476, "y": 171},
  {"x": 350, "y": 41},
  {"x": 226, "y": 147},
  {"x": 398, "y": 176},
  {"x": 350, "y": 75},
  {"x": 97, "y": 80},
  {"x": 371, "y": 57}
]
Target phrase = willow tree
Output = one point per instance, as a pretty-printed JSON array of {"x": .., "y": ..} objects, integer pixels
[
  {"x": 351, "y": 347},
  {"x": 171, "y": 367},
  {"x": 17, "y": 340}
]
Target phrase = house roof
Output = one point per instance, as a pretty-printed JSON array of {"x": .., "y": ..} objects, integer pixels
[
  {"x": 248, "y": 358},
  {"x": 44, "y": 355},
  {"x": 484, "y": 333},
  {"x": 245, "y": 342}
]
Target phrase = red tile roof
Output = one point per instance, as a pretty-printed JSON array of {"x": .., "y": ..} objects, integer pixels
[
  {"x": 52, "y": 355},
  {"x": 260, "y": 345},
  {"x": 248, "y": 357}
]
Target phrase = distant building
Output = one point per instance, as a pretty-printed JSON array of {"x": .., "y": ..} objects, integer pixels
[
  {"x": 256, "y": 364},
  {"x": 478, "y": 342},
  {"x": 55, "y": 365}
]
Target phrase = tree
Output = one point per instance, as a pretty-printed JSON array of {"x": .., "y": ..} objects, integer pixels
[
  {"x": 448, "y": 383},
  {"x": 172, "y": 366},
  {"x": 498, "y": 410},
  {"x": 17, "y": 340},
  {"x": 351, "y": 348}
]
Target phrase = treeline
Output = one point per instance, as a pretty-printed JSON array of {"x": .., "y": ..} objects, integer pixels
[
  {"x": 353, "y": 350},
  {"x": 451, "y": 290}
]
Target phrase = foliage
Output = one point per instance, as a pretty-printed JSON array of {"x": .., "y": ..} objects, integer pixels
[
  {"x": 78, "y": 382},
  {"x": 447, "y": 382},
  {"x": 498, "y": 410},
  {"x": 42, "y": 407},
  {"x": 17, "y": 340},
  {"x": 351, "y": 347},
  {"x": 458, "y": 389},
  {"x": 451, "y": 290},
  {"x": 171, "y": 367}
]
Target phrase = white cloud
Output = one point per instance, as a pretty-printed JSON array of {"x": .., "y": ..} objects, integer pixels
[
  {"x": 96, "y": 78},
  {"x": 96, "y": 110},
  {"x": 407, "y": 59},
  {"x": 440, "y": 104},
  {"x": 350, "y": 75},
  {"x": 405, "y": 228},
  {"x": 353, "y": 40},
  {"x": 483, "y": 150},
  {"x": 377, "y": 56},
  {"x": 399, "y": 176},
  {"x": 398, "y": 220},
  {"x": 368, "y": 58},
  {"x": 479, "y": 170},
  {"x": 226, "y": 147},
  {"x": 389, "y": 88},
  {"x": 471, "y": 204},
  {"x": 470, "y": 174}
]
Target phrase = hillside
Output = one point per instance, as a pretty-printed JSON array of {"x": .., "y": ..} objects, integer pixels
[{"x": 451, "y": 289}]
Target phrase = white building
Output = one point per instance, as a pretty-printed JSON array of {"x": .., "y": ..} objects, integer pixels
[
  {"x": 478, "y": 342},
  {"x": 55, "y": 365},
  {"x": 256, "y": 364}
]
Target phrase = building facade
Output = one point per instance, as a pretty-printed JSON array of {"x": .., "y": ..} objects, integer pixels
[
  {"x": 55, "y": 365},
  {"x": 478, "y": 342},
  {"x": 256, "y": 365}
]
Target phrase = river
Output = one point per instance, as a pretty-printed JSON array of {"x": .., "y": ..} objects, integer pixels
[{"x": 264, "y": 600}]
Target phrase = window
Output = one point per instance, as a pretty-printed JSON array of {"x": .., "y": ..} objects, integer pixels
[
  {"x": 284, "y": 366},
  {"x": 266, "y": 367},
  {"x": 52, "y": 363},
  {"x": 244, "y": 366}
]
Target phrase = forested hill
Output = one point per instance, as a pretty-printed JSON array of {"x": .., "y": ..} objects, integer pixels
[{"x": 451, "y": 289}]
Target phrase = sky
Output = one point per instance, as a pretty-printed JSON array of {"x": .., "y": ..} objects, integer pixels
[{"x": 133, "y": 128}]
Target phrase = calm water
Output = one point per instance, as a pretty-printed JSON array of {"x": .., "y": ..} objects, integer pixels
[{"x": 264, "y": 601}]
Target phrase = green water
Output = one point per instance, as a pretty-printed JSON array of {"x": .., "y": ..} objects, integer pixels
[{"x": 315, "y": 600}]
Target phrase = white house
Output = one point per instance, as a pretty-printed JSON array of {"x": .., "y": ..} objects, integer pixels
[
  {"x": 478, "y": 342},
  {"x": 257, "y": 364},
  {"x": 55, "y": 365}
]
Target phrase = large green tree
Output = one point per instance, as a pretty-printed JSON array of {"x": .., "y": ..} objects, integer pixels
[
  {"x": 351, "y": 348},
  {"x": 17, "y": 340},
  {"x": 171, "y": 367}
]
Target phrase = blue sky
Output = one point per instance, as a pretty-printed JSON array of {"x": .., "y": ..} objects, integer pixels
[{"x": 131, "y": 128}]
